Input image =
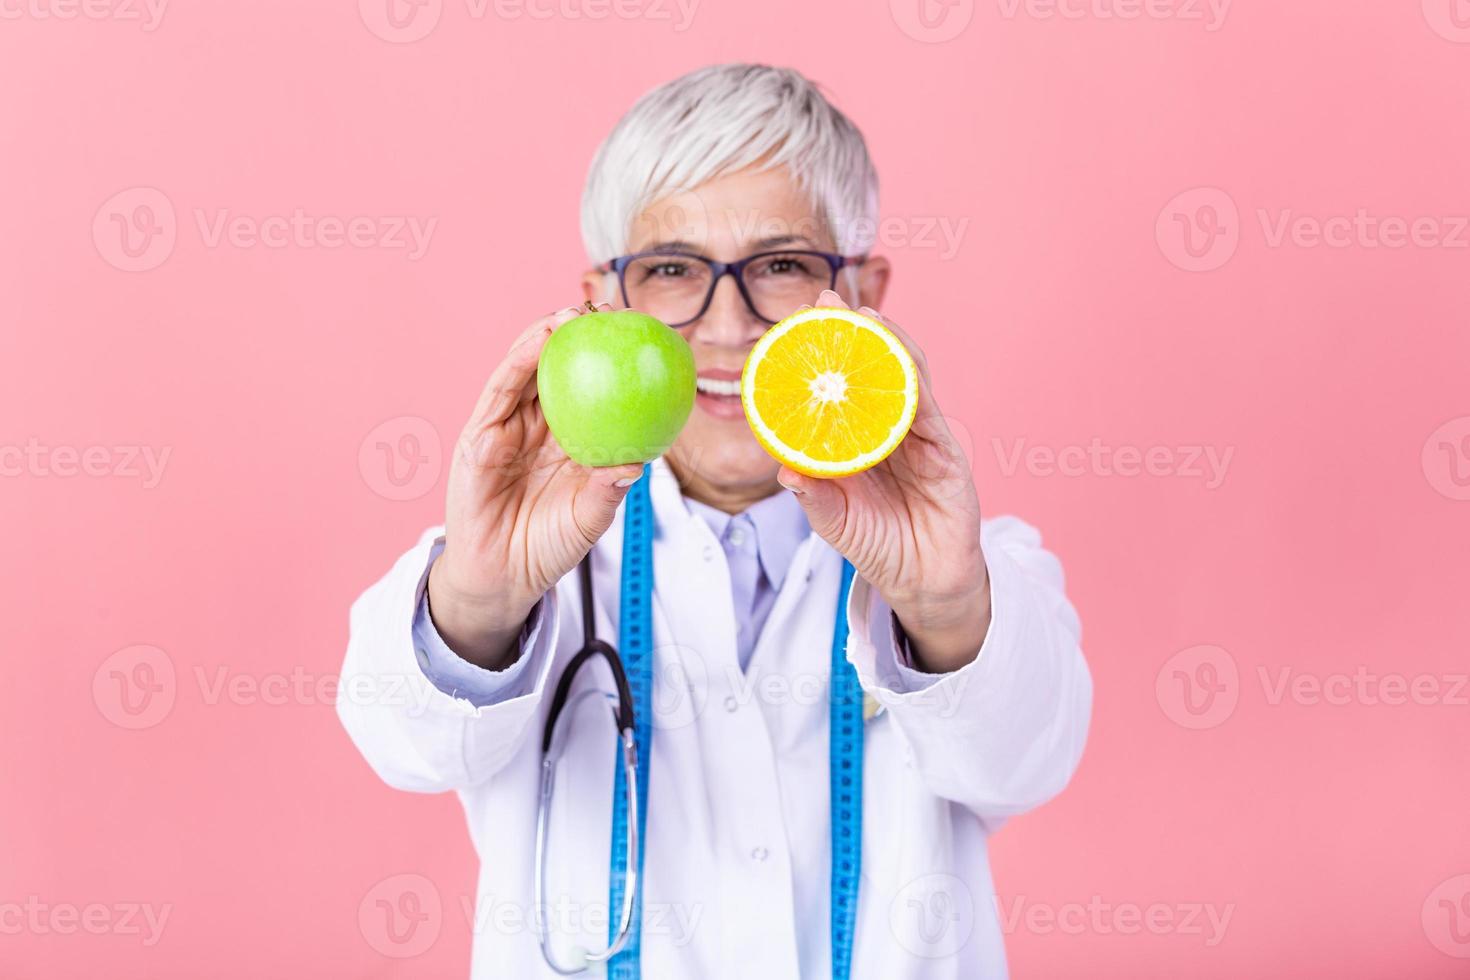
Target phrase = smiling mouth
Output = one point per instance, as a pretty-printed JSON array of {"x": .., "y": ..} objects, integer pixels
[{"x": 715, "y": 386}]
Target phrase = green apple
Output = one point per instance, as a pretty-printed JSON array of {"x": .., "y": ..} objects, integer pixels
[{"x": 616, "y": 387}]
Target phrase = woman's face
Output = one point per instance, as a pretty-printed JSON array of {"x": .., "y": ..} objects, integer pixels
[{"x": 726, "y": 220}]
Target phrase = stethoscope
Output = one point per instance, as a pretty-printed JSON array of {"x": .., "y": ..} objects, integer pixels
[
  {"x": 633, "y": 681},
  {"x": 551, "y": 749}
]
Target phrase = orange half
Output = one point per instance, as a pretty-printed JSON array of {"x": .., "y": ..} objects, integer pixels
[{"x": 829, "y": 392}]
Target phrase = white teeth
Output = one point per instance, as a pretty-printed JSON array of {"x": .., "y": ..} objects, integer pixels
[{"x": 711, "y": 386}]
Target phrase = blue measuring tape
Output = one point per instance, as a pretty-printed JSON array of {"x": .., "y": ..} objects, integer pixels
[{"x": 635, "y": 645}]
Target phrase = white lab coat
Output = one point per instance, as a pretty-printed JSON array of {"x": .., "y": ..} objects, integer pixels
[{"x": 737, "y": 856}]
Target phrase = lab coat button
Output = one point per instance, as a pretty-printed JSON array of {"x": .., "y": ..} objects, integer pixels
[
  {"x": 731, "y": 704},
  {"x": 760, "y": 854},
  {"x": 708, "y": 553}
]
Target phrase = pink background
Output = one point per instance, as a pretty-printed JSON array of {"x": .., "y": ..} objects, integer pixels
[{"x": 1336, "y": 835}]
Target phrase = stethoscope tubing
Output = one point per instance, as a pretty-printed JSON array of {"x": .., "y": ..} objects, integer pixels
[{"x": 551, "y": 749}]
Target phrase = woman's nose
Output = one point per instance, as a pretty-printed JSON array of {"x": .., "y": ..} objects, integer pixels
[{"x": 728, "y": 322}]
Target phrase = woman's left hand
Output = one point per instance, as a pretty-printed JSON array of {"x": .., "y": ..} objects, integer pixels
[{"x": 911, "y": 528}]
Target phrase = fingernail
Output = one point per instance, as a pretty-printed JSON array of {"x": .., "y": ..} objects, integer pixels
[
  {"x": 626, "y": 482},
  {"x": 794, "y": 490}
]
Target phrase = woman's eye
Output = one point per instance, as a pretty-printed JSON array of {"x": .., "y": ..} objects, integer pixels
[
  {"x": 783, "y": 266},
  {"x": 668, "y": 270}
]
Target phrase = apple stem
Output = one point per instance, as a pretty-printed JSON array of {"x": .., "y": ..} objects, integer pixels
[{"x": 591, "y": 307}]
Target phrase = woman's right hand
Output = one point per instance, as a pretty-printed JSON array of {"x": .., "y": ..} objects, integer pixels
[{"x": 519, "y": 514}]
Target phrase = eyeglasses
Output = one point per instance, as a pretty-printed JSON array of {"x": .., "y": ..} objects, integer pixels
[{"x": 677, "y": 287}]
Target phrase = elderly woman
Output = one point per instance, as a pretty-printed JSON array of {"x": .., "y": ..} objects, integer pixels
[{"x": 843, "y": 686}]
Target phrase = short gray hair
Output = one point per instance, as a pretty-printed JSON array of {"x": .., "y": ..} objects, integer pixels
[{"x": 720, "y": 120}]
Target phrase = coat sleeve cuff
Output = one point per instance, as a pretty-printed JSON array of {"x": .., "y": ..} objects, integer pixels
[
  {"x": 879, "y": 649},
  {"x": 457, "y": 677}
]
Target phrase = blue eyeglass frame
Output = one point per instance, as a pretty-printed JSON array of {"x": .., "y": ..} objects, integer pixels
[{"x": 718, "y": 270}]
